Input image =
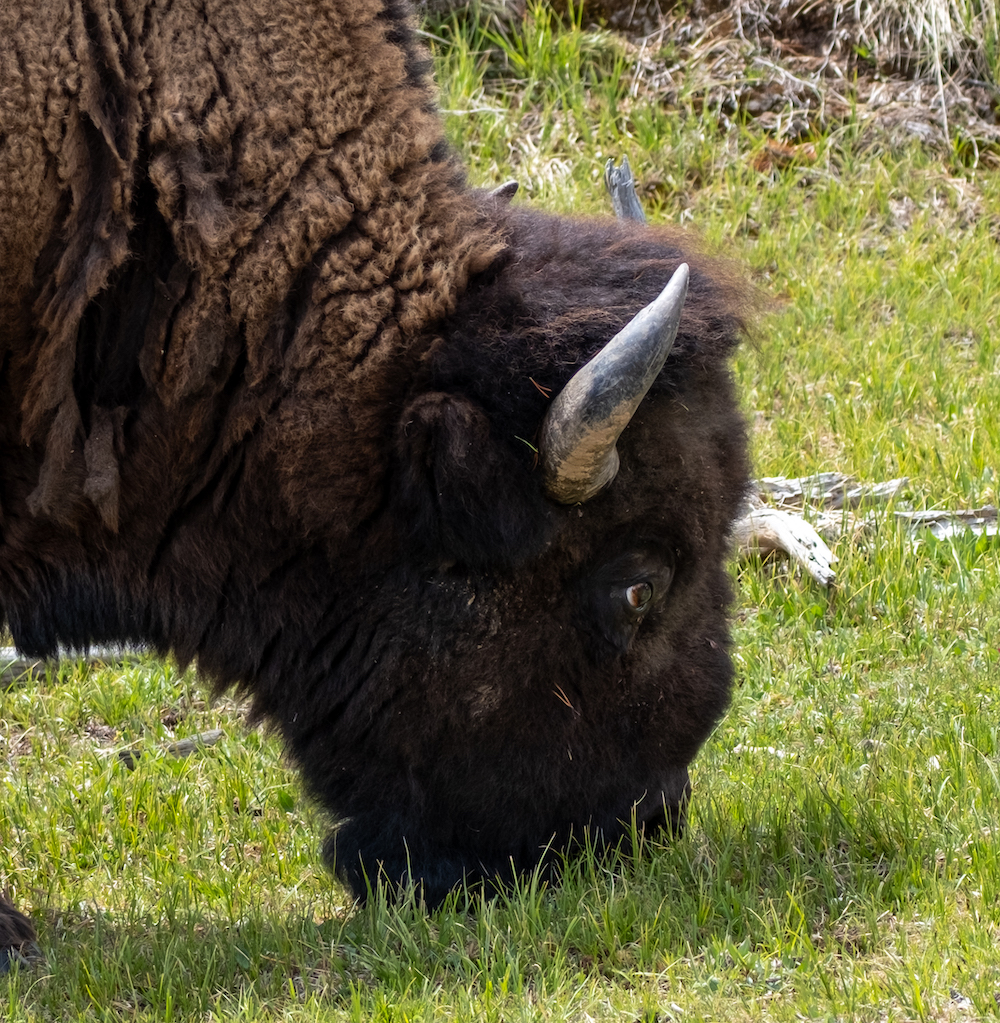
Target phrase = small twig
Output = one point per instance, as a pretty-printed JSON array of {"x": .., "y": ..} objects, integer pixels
[
  {"x": 472, "y": 110},
  {"x": 180, "y": 748},
  {"x": 563, "y": 698},
  {"x": 784, "y": 73}
]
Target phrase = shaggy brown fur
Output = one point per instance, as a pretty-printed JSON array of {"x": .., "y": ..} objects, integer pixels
[
  {"x": 283, "y": 165},
  {"x": 270, "y": 376}
]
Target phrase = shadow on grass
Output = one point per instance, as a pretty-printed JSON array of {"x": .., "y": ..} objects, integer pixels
[{"x": 783, "y": 865}]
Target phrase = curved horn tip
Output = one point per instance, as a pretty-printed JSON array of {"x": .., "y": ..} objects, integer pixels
[
  {"x": 678, "y": 282},
  {"x": 585, "y": 420}
]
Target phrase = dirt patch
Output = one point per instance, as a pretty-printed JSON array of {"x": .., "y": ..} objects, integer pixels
[{"x": 801, "y": 70}]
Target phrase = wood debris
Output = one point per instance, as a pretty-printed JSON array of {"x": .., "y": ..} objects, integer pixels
[
  {"x": 181, "y": 748},
  {"x": 773, "y": 522},
  {"x": 947, "y": 524},
  {"x": 763, "y": 531},
  {"x": 827, "y": 490}
]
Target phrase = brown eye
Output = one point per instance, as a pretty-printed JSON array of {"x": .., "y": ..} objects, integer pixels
[{"x": 638, "y": 596}]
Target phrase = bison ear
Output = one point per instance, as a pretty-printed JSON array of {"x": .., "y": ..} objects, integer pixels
[{"x": 465, "y": 495}]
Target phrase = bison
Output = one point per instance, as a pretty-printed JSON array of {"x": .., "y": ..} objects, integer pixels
[{"x": 414, "y": 467}]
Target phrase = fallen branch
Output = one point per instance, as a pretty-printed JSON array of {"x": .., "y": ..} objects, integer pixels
[
  {"x": 763, "y": 531},
  {"x": 946, "y": 524},
  {"x": 181, "y": 748},
  {"x": 827, "y": 490}
]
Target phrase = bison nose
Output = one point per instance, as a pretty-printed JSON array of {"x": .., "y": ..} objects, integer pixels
[
  {"x": 663, "y": 818},
  {"x": 664, "y": 806}
]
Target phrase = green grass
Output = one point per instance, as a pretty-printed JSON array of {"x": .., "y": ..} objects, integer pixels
[{"x": 842, "y": 856}]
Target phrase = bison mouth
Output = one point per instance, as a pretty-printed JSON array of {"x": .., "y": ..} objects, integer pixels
[
  {"x": 665, "y": 808},
  {"x": 369, "y": 852}
]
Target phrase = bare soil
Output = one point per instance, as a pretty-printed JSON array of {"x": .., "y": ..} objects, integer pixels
[{"x": 802, "y": 69}]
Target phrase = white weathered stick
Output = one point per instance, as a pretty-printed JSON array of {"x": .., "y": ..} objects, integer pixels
[
  {"x": 762, "y": 531},
  {"x": 946, "y": 524},
  {"x": 828, "y": 490},
  {"x": 181, "y": 748}
]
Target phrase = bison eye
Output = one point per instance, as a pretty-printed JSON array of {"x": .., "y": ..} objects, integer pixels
[
  {"x": 638, "y": 596},
  {"x": 624, "y": 592}
]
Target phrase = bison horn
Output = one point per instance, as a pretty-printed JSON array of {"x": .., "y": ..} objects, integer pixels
[{"x": 586, "y": 418}]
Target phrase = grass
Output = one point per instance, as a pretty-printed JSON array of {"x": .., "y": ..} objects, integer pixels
[
  {"x": 842, "y": 859},
  {"x": 960, "y": 35}
]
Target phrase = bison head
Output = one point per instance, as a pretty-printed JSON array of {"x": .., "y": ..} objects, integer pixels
[
  {"x": 481, "y": 592},
  {"x": 532, "y": 642}
]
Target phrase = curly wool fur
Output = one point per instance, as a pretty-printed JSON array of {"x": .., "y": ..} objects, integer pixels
[
  {"x": 317, "y": 218},
  {"x": 271, "y": 377}
]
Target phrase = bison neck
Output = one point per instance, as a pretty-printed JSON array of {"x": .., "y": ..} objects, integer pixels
[{"x": 216, "y": 571}]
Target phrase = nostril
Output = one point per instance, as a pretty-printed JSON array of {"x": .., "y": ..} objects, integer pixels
[
  {"x": 665, "y": 807},
  {"x": 655, "y": 820}
]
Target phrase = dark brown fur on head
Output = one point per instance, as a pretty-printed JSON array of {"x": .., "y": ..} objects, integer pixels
[{"x": 271, "y": 380}]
